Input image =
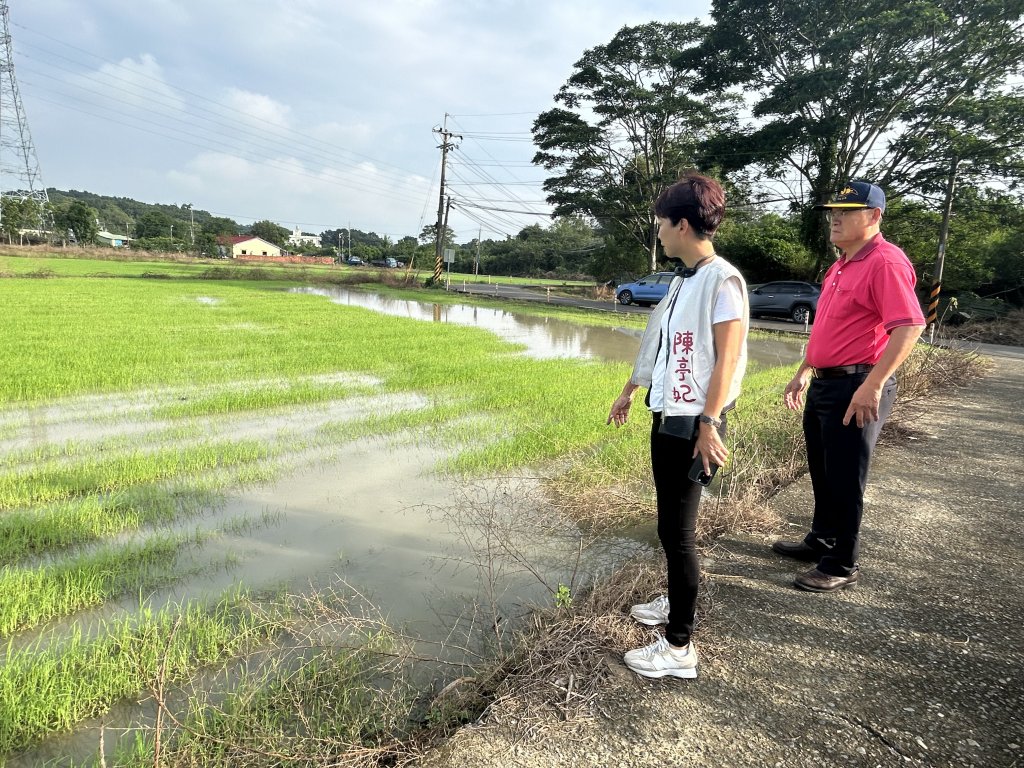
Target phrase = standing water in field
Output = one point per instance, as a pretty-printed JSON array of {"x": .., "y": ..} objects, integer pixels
[{"x": 543, "y": 337}]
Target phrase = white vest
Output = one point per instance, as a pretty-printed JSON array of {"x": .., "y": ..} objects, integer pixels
[{"x": 689, "y": 342}]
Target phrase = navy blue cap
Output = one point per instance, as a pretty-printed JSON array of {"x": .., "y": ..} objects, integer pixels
[{"x": 856, "y": 194}]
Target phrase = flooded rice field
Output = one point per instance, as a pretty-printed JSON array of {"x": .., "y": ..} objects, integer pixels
[
  {"x": 542, "y": 337},
  {"x": 311, "y": 499},
  {"x": 372, "y": 514}
]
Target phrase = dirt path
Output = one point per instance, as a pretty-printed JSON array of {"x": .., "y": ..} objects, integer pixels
[{"x": 922, "y": 665}]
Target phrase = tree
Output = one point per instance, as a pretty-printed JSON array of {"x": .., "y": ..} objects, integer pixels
[
  {"x": 78, "y": 218},
  {"x": 765, "y": 247},
  {"x": 887, "y": 91},
  {"x": 629, "y": 126},
  {"x": 428, "y": 236},
  {"x": 270, "y": 232},
  {"x": 17, "y": 214},
  {"x": 405, "y": 249},
  {"x": 154, "y": 224}
]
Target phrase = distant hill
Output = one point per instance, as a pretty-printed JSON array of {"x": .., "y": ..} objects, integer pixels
[{"x": 119, "y": 214}]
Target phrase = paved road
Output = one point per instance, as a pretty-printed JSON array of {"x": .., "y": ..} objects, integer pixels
[{"x": 533, "y": 293}]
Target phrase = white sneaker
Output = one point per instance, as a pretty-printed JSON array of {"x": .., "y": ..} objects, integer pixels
[
  {"x": 653, "y": 613},
  {"x": 660, "y": 659}
]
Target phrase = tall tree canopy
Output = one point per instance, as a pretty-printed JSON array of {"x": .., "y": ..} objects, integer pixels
[
  {"x": 627, "y": 126},
  {"x": 892, "y": 92},
  {"x": 269, "y": 231},
  {"x": 78, "y": 219}
]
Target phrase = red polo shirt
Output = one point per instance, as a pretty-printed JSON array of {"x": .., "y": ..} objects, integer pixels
[{"x": 861, "y": 301}]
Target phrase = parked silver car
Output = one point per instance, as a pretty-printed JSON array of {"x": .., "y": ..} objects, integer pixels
[{"x": 785, "y": 298}]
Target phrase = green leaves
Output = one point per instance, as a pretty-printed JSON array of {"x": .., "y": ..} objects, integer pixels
[
  {"x": 889, "y": 92},
  {"x": 627, "y": 125}
]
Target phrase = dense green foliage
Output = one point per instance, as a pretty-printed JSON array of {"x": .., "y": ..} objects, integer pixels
[
  {"x": 919, "y": 97},
  {"x": 626, "y": 127},
  {"x": 889, "y": 92}
]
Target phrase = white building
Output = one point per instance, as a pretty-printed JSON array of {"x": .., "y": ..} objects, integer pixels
[{"x": 298, "y": 237}]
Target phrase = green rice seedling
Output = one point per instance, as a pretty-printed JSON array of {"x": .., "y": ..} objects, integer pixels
[
  {"x": 45, "y": 691},
  {"x": 26, "y": 266},
  {"x": 305, "y": 711},
  {"x": 427, "y": 418},
  {"x": 30, "y": 596},
  {"x": 73, "y": 522},
  {"x": 262, "y": 398},
  {"x": 53, "y": 481},
  {"x": 246, "y": 524}
]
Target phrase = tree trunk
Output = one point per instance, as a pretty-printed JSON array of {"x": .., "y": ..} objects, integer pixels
[
  {"x": 814, "y": 227},
  {"x": 653, "y": 248}
]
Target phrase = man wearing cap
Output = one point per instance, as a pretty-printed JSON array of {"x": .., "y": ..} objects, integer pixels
[{"x": 867, "y": 322}]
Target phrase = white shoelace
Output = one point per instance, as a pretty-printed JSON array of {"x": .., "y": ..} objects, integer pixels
[{"x": 659, "y": 646}]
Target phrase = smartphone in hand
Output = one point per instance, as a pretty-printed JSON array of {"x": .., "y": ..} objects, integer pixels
[{"x": 697, "y": 473}]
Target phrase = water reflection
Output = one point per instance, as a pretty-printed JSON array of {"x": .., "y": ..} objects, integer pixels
[{"x": 543, "y": 337}]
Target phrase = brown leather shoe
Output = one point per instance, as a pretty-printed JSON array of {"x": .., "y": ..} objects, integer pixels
[
  {"x": 797, "y": 549},
  {"x": 816, "y": 581}
]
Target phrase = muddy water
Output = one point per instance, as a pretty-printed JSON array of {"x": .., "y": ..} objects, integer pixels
[
  {"x": 542, "y": 337},
  {"x": 373, "y": 515}
]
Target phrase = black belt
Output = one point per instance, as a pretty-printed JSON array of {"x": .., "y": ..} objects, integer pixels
[{"x": 840, "y": 370}]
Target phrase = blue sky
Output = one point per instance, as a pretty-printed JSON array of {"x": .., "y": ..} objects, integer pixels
[{"x": 315, "y": 113}]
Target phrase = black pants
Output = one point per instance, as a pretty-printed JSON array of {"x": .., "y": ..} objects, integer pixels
[
  {"x": 838, "y": 458},
  {"x": 678, "y": 499}
]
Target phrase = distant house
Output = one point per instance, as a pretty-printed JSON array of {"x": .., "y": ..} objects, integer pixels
[
  {"x": 298, "y": 238},
  {"x": 247, "y": 245},
  {"x": 114, "y": 241}
]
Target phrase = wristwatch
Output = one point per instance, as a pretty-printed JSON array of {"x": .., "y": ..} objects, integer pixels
[{"x": 705, "y": 419}]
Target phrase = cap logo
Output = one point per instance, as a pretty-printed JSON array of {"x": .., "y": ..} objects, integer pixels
[{"x": 847, "y": 191}]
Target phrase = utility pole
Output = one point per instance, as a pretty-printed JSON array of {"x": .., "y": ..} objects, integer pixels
[
  {"x": 444, "y": 228},
  {"x": 446, "y": 146},
  {"x": 933, "y": 299},
  {"x": 20, "y": 177},
  {"x": 191, "y": 227},
  {"x": 476, "y": 262}
]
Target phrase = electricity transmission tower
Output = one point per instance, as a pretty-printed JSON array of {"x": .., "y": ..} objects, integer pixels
[{"x": 19, "y": 168}]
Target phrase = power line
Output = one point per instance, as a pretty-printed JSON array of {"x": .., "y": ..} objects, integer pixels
[{"x": 289, "y": 135}]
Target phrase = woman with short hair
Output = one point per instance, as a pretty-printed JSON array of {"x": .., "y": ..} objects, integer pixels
[{"x": 692, "y": 357}]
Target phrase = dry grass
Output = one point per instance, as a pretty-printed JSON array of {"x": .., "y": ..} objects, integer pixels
[
  {"x": 562, "y": 659},
  {"x": 1008, "y": 329},
  {"x": 929, "y": 373}
]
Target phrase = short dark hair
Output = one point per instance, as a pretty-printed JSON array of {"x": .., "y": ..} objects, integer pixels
[{"x": 698, "y": 199}]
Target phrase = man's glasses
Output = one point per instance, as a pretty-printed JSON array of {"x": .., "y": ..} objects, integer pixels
[{"x": 842, "y": 213}]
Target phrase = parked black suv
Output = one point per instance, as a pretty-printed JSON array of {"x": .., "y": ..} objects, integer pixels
[{"x": 798, "y": 301}]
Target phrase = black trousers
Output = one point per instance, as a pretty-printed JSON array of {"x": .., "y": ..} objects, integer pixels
[
  {"x": 678, "y": 499},
  {"x": 838, "y": 458}
]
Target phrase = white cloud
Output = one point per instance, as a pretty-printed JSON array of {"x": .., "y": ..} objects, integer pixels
[
  {"x": 312, "y": 111},
  {"x": 256, "y": 107},
  {"x": 288, "y": 191},
  {"x": 134, "y": 83}
]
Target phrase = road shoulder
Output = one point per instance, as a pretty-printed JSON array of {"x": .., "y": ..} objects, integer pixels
[{"x": 921, "y": 665}]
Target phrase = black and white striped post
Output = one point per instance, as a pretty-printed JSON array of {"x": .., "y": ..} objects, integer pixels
[{"x": 940, "y": 259}]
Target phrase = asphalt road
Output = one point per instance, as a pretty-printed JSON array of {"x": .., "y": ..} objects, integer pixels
[{"x": 534, "y": 293}]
